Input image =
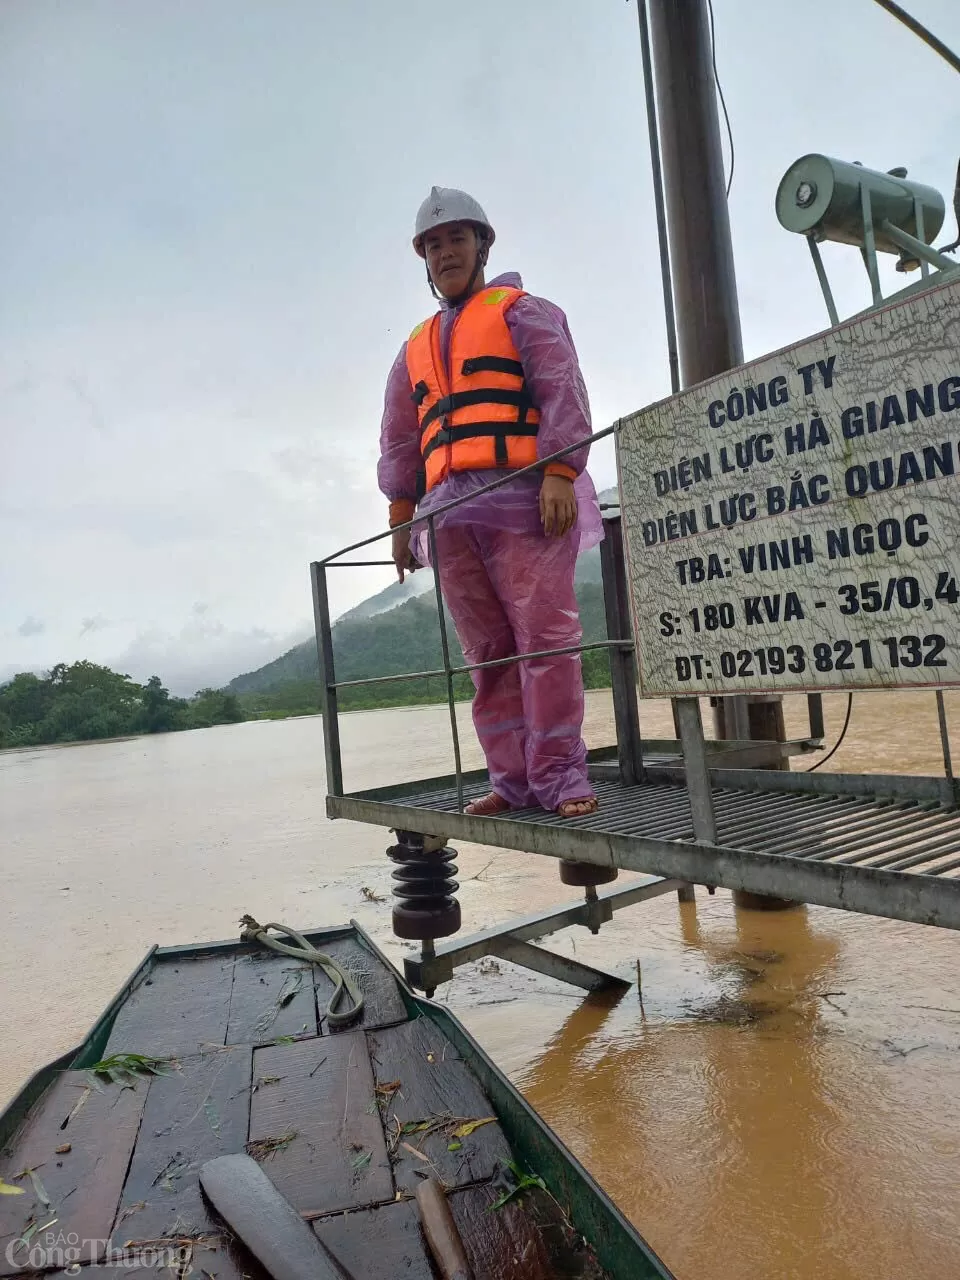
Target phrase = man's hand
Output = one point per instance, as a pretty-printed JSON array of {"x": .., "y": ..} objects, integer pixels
[
  {"x": 402, "y": 555},
  {"x": 558, "y": 506}
]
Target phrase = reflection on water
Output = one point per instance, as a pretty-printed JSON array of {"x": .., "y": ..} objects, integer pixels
[
  {"x": 759, "y": 1121},
  {"x": 786, "y": 1103}
]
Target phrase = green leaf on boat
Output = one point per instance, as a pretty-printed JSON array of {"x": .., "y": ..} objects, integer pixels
[
  {"x": 464, "y": 1130},
  {"x": 523, "y": 1182},
  {"x": 124, "y": 1068},
  {"x": 39, "y": 1189},
  {"x": 417, "y": 1126},
  {"x": 32, "y": 1227}
]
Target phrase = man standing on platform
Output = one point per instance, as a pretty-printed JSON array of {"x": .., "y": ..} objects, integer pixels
[{"x": 491, "y": 382}]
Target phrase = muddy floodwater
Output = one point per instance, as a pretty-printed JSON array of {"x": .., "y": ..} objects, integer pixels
[{"x": 785, "y": 1104}]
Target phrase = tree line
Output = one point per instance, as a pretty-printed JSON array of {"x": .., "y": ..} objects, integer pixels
[{"x": 85, "y": 701}]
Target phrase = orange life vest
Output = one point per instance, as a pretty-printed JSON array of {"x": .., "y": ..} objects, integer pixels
[{"x": 481, "y": 416}]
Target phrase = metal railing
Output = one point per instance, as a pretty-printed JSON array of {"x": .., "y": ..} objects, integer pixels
[{"x": 619, "y": 643}]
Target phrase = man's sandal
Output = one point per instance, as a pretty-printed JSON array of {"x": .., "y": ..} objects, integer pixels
[
  {"x": 570, "y": 809},
  {"x": 490, "y": 806}
]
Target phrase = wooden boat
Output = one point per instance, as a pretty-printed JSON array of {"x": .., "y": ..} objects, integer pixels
[{"x": 99, "y": 1169}]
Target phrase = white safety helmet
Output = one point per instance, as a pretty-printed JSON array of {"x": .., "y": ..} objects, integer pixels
[{"x": 445, "y": 205}]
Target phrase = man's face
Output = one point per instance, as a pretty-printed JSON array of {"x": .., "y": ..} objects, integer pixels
[{"x": 451, "y": 256}]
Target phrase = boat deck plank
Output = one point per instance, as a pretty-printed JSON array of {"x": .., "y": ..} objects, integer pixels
[
  {"x": 218, "y": 1258},
  {"x": 421, "y": 1079},
  {"x": 81, "y": 1186},
  {"x": 180, "y": 1007},
  {"x": 191, "y": 1115},
  {"x": 378, "y": 1244},
  {"x": 272, "y": 996},
  {"x": 210, "y": 1258},
  {"x": 323, "y": 1095}
]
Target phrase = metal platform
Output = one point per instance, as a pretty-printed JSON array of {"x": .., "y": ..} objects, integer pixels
[
  {"x": 726, "y": 814},
  {"x": 883, "y": 846}
]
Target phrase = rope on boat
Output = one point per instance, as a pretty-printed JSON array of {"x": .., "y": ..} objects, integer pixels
[{"x": 344, "y": 982}]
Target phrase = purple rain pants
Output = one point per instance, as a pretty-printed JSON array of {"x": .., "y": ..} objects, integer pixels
[{"x": 513, "y": 593}]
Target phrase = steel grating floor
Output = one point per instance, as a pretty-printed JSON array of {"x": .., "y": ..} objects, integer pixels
[
  {"x": 892, "y": 850},
  {"x": 897, "y": 836}
]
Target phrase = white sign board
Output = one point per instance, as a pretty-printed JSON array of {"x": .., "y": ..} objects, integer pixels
[{"x": 795, "y": 523}]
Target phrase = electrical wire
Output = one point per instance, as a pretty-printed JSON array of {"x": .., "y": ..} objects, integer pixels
[
  {"x": 723, "y": 101},
  {"x": 836, "y": 746},
  {"x": 920, "y": 30}
]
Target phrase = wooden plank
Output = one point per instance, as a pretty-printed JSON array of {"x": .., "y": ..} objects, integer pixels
[
  {"x": 435, "y": 1084},
  {"x": 131, "y": 1266},
  {"x": 82, "y": 1186},
  {"x": 382, "y": 1002},
  {"x": 192, "y": 1115},
  {"x": 272, "y": 996},
  {"x": 126, "y": 1265},
  {"x": 219, "y": 1257},
  {"x": 180, "y": 1007},
  {"x": 323, "y": 1095},
  {"x": 378, "y": 1244},
  {"x": 526, "y": 1239}
]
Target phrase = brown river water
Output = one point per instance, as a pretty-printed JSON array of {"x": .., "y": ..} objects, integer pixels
[{"x": 786, "y": 1104}]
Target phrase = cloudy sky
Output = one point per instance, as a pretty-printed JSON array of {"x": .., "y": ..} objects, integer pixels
[{"x": 205, "y": 268}]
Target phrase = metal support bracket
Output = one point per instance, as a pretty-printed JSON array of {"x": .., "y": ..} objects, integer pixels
[
  {"x": 824, "y": 281},
  {"x": 512, "y": 941},
  {"x": 556, "y": 966},
  {"x": 623, "y": 667},
  {"x": 869, "y": 250},
  {"x": 924, "y": 252}
]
